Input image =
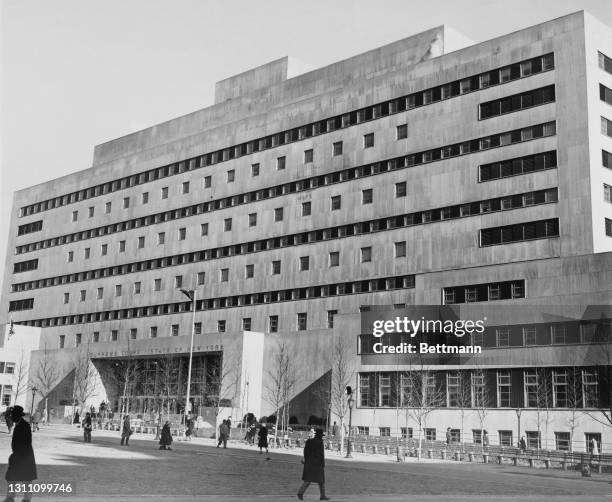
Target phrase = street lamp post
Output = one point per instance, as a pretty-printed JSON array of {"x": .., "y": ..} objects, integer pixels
[
  {"x": 34, "y": 391},
  {"x": 350, "y": 403},
  {"x": 191, "y": 294},
  {"x": 518, "y": 420}
]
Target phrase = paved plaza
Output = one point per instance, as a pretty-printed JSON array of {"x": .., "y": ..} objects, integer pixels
[{"x": 103, "y": 470}]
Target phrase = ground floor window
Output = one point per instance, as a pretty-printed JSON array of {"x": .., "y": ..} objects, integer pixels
[
  {"x": 385, "y": 431},
  {"x": 407, "y": 433},
  {"x": 455, "y": 435},
  {"x": 505, "y": 438},
  {"x": 477, "y": 436},
  {"x": 533, "y": 439},
  {"x": 562, "y": 441},
  {"x": 363, "y": 430},
  {"x": 589, "y": 436},
  {"x": 430, "y": 434}
]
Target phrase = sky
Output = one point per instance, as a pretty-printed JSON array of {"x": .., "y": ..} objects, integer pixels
[{"x": 77, "y": 73}]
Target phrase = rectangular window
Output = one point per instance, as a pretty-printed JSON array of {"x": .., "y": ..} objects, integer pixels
[
  {"x": 204, "y": 229},
  {"x": 114, "y": 335},
  {"x": 87, "y": 253},
  {"x": 558, "y": 334},
  {"x": 402, "y": 131},
  {"x": 590, "y": 388},
  {"x": 221, "y": 325},
  {"x": 197, "y": 328},
  {"x": 75, "y": 215},
  {"x": 126, "y": 202},
  {"x": 504, "y": 389},
  {"x": 70, "y": 256},
  {"x": 308, "y": 156},
  {"x": 606, "y": 127},
  {"x": 502, "y": 337},
  {"x": 137, "y": 287},
  {"x": 337, "y": 148},
  {"x": 107, "y": 207},
  {"x": 330, "y": 318},
  {"x": 100, "y": 294},
  {"x": 531, "y": 388},
  {"x": 560, "y": 388},
  {"x": 334, "y": 259},
  {"x": 83, "y": 295},
  {"x": 278, "y": 214},
  {"x": 400, "y": 249},
  {"x": 141, "y": 242},
  {"x": 227, "y": 224},
  {"x": 364, "y": 389},
  {"x": 276, "y": 267},
  {"x": 302, "y": 321},
  {"x": 306, "y": 208},
  {"x": 145, "y": 197},
  {"x": 224, "y": 274},
  {"x": 91, "y": 212},
  {"x": 430, "y": 434},
  {"x": 62, "y": 341},
  {"x": 161, "y": 238},
  {"x": 164, "y": 193},
  {"x": 182, "y": 234},
  {"x": 453, "y": 387},
  {"x": 157, "y": 285},
  {"x": 255, "y": 170},
  {"x": 185, "y": 187},
  {"x": 121, "y": 246},
  {"x": 367, "y": 196},
  {"x": 280, "y": 163},
  {"x": 406, "y": 432},
  {"x": 605, "y": 63},
  {"x": 207, "y": 181},
  {"x": 273, "y": 324},
  {"x": 133, "y": 333},
  {"x": 562, "y": 441},
  {"x": 304, "y": 263},
  {"x": 201, "y": 277},
  {"x": 104, "y": 249},
  {"x": 605, "y": 94},
  {"x": 153, "y": 332},
  {"x": 174, "y": 330},
  {"x": 96, "y": 336},
  {"x": 529, "y": 335},
  {"x": 505, "y": 438},
  {"x": 249, "y": 271},
  {"x": 607, "y": 192},
  {"x": 118, "y": 290},
  {"x": 608, "y": 226},
  {"x": 66, "y": 298},
  {"x": 366, "y": 254},
  {"x": 336, "y": 202},
  {"x": 400, "y": 189},
  {"x": 178, "y": 281},
  {"x": 533, "y": 439},
  {"x": 246, "y": 324},
  {"x": 368, "y": 140}
]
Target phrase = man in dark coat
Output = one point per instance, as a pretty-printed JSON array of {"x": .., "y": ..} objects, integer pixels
[
  {"x": 21, "y": 463},
  {"x": 262, "y": 442},
  {"x": 314, "y": 465},
  {"x": 166, "y": 437},
  {"x": 87, "y": 426},
  {"x": 126, "y": 431}
]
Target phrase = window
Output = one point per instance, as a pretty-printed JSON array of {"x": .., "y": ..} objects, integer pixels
[
  {"x": 126, "y": 202},
  {"x": 400, "y": 249},
  {"x": 246, "y": 324},
  {"x": 453, "y": 389},
  {"x": 66, "y": 298},
  {"x": 558, "y": 334},
  {"x": 100, "y": 293},
  {"x": 430, "y": 434},
  {"x": 221, "y": 325},
  {"x": 201, "y": 277},
  {"x": 207, "y": 181},
  {"x": 153, "y": 332},
  {"x": 83, "y": 295},
  {"x": 273, "y": 323},
  {"x": 178, "y": 281},
  {"x": 590, "y": 388},
  {"x": 494, "y": 292},
  {"x": 182, "y": 234},
  {"x": 107, "y": 207},
  {"x": 533, "y": 439},
  {"x": 254, "y": 170},
  {"x": 87, "y": 253},
  {"x": 384, "y": 431},
  {"x": 330, "y": 318},
  {"x": 607, "y": 192},
  {"x": 249, "y": 271},
  {"x": 157, "y": 285},
  {"x": 118, "y": 290},
  {"x": 227, "y": 224},
  {"x": 605, "y": 63},
  {"x": 562, "y": 441},
  {"x": 114, "y": 335},
  {"x": 606, "y": 159},
  {"x": 504, "y": 389},
  {"x": 400, "y": 189},
  {"x": 605, "y": 94},
  {"x": 406, "y": 432},
  {"x": 502, "y": 337},
  {"x": 231, "y": 176},
  {"x": 145, "y": 197},
  {"x": 606, "y": 126},
  {"x": 477, "y": 339},
  {"x": 197, "y": 328},
  {"x": 560, "y": 388},
  {"x": 91, "y": 211},
  {"x": 62, "y": 341},
  {"x": 164, "y": 193},
  {"x": 137, "y": 287},
  {"x": 174, "y": 330},
  {"x": 529, "y": 335},
  {"x": 280, "y": 163},
  {"x": 334, "y": 259},
  {"x": 608, "y": 224},
  {"x": 308, "y": 156},
  {"x": 337, "y": 148},
  {"x": 161, "y": 237},
  {"x": 402, "y": 131},
  {"x": 70, "y": 256},
  {"x": 531, "y": 388},
  {"x": 133, "y": 333},
  {"x": 366, "y": 254},
  {"x": 96, "y": 336},
  {"x": 364, "y": 389},
  {"x": 304, "y": 263},
  {"x": 141, "y": 242},
  {"x": 368, "y": 140},
  {"x": 276, "y": 267},
  {"x": 505, "y": 438},
  {"x": 302, "y": 321},
  {"x": 185, "y": 187},
  {"x": 122, "y": 246},
  {"x": 367, "y": 196},
  {"x": 224, "y": 274},
  {"x": 278, "y": 214},
  {"x": 75, "y": 215},
  {"x": 306, "y": 208},
  {"x": 104, "y": 249},
  {"x": 204, "y": 229},
  {"x": 336, "y": 202}
]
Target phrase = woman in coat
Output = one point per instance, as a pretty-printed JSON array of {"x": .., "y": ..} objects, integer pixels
[
  {"x": 314, "y": 465},
  {"x": 21, "y": 463},
  {"x": 262, "y": 442},
  {"x": 87, "y": 426},
  {"x": 126, "y": 431},
  {"x": 166, "y": 437}
]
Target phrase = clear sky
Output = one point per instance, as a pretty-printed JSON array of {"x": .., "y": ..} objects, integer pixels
[{"x": 76, "y": 73}]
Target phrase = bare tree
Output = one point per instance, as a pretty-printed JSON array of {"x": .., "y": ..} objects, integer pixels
[
  {"x": 343, "y": 372},
  {"x": 222, "y": 386},
  {"x": 544, "y": 403},
  {"x": 21, "y": 374},
  {"x": 480, "y": 398},
  {"x": 574, "y": 402},
  {"x": 598, "y": 377},
  {"x": 85, "y": 377},
  {"x": 281, "y": 384},
  {"x": 46, "y": 376}
]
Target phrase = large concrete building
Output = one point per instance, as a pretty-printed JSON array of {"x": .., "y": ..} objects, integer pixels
[{"x": 430, "y": 171}]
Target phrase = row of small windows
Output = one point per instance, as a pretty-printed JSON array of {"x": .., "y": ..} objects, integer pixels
[
  {"x": 286, "y": 295},
  {"x": 506, "y": 290},
  {"x": 410, "y": 219},
  {"x": 519, "y": 232},
  {"x": 29, "y": 228},
  {"x": 25, "y": 304},
  {"x": 494, "y": 77},
  {"x": 517, "y": 102},
  {"x": 518, "y": 166},
  {"x": 25, "y": 266},
  {"x": 494, "y": 141}
]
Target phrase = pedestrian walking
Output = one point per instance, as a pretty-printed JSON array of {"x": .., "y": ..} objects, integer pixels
[
  {"x": 126, "y": 431},
  {"x": 189, "y": 428},
  {"x": 223, "y": 434},
  {"x": 314, "y": 465},
  {"x": 21, "y": 463},
  {"x": 262, "y": 440},
  {"x": 87, "y": 428},
  {"x": 8, "y": 418},
  {"x": 35, "y": 420},
  {"x": 166, "y": 437},
  {"x": 77, "y": 418},
  {"x": 485, "y": 439},
  {"x": 449, "y": 436},
  {"x": 522, "y": 444}
]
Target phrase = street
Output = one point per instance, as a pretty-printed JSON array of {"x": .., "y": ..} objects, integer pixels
[{"x": 104, "y": 470}]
